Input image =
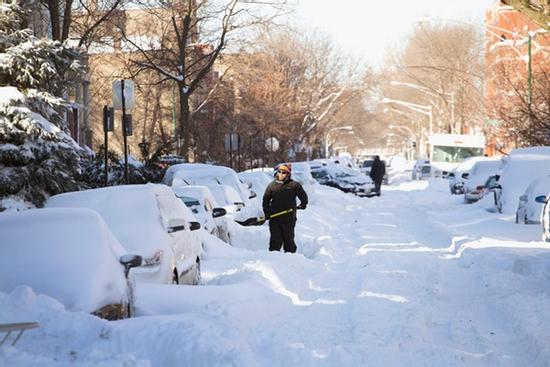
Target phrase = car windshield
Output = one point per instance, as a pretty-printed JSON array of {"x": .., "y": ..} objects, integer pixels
[
  {"x": 343, "y": 174},
  {"x": 425, "y": 169},
  {"x": 319, "y": 174},
  {"x": 189, "y": 202},
  {"x": 454, "y": 154},
  {"x": 367, "y": 164}
]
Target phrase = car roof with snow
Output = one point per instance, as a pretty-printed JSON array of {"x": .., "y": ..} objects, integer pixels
[
  {"x": 136, "y": 214},
  {"x": 519, "y": 170},
  {"x": 72, "y": 246},
  {"x": 201, "y": 174}
]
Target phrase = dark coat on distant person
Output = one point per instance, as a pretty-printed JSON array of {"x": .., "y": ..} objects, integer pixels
[{"x": 378, "y": 170}]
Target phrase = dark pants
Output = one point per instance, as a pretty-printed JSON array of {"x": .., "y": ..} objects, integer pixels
[
  {"x": 282, "y": 232},
  {"x": 377, "y": 185}
]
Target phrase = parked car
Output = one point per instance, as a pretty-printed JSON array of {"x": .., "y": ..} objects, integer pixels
[
  {"x": 228, "y": 199},
  {"x": 200, "y": 174},
  {"x": 148, "y": 220},
  {"x": 458, "y": 176},
  {"x": 205, "y": 208},
  {"x": 517, "y": 171},
  {"x": 258, "y": 179},
  {"x": 491, "y": 185},
  {"x": 425, "y": 172},
  {"x": 68, "y": 254},
  {"x": 545, "y": 216},
  {"x": 206, "y": 174},
  {"x": 344, "y": 160},
  {"x": 343, "y": 178},
  {"x": 474, "y": 186},
  {"x": 418, "y": 172},
  {"x": 529, "y": 210}
]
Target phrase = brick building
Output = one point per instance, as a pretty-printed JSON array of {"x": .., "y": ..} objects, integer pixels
[{"x": 510, "y": 68}]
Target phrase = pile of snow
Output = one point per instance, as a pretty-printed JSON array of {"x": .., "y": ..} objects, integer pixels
[{"x": 373, "y": 283}]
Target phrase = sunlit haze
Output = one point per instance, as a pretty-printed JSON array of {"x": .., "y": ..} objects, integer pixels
[{"x": 367, "y": 28}]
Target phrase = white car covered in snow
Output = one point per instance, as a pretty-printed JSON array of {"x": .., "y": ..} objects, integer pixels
[
  {"x": 206, "y": 209},
  {"x": 474, "y": 186},
  {"x": 68, "y": 254},
  {"x": 148, "y": 220},
  {"x": 208, "y": 175},
  {"x": 457, "y": 177},
  {"x": 529, "y": 209},
  {"x": 258, "y": 179},
  {"x": 517, "y": 171},
  {"x": 201, "y": 174},
  {"x": 343, "y": 178}
]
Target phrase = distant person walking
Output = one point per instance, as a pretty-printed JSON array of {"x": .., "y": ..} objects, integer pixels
[
  {"x": 377, "y": 172},
  {"x": 279, "y": 205}
]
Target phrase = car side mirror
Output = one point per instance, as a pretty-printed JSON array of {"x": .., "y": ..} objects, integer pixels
[
  {"x": 465, "y": 175},
  {"x": 194, "y": 226},
  {"x": 176, "y": 224},
  {"x": 130, "y": 261},
  {"x": 541, "y": 199},
  {"x": 252, "y": 195},
  {"x": 218, "y": 212}
]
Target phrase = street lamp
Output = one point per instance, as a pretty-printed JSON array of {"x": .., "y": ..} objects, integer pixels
[
  {"x": 430, "y": 92},
  {"x": 424, "y": 109},
  {"x": 347, "y": 128}
]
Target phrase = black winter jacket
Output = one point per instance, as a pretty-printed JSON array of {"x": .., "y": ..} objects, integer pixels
[
  {"x": 280, "y": 196},
  {"x": 377, "y": 171}
]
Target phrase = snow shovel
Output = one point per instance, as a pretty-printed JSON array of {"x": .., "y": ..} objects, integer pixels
[{"x": 261, "y": 220}]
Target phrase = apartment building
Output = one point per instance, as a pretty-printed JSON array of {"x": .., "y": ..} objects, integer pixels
[{"x": 517, "y": 49}]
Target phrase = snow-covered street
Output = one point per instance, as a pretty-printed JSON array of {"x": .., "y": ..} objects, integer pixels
[{"x": 412, "y": 278}]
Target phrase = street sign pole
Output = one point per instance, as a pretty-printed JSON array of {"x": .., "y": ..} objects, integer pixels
[
  {"x": 106, "y": 144},
  {"x": 108, "y": 125},
  {"x": 124, "y": 133}
]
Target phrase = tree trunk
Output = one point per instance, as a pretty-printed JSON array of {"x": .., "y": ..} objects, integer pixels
[
  {"x": 183, "y": 133},
  {"x": 53, "y": 7}
]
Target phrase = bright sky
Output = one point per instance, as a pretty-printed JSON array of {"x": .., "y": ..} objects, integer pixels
[{"x": 370, "y": 26}]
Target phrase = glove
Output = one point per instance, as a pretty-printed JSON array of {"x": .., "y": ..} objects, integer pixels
[{"x": 301, "y": 206}]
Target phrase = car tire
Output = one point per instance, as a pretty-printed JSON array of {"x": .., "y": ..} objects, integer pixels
[
  {"x": 196, "y": 273},
  {"x": 517, "y": 218},
  {"x": 193, "y": 275},
  {"x": 526, "y": 220}
]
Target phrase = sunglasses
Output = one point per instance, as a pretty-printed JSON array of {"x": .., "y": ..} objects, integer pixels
[{"x": 283, "y": 172}]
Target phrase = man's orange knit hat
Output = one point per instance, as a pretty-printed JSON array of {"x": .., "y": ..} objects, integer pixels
[{"x": 285, "y": 167}]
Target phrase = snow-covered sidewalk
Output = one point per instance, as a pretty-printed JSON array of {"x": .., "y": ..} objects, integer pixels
[{"x": 411, "y": 278}]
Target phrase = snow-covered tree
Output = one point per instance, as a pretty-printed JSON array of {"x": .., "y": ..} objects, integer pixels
[{"x": 37, "y": 156}]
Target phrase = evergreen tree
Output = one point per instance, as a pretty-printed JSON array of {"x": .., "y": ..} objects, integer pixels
[{"x": 37, "y": 156}]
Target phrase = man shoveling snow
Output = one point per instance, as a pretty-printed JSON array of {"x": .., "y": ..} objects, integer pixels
[{"x": 279, "y": 205}]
